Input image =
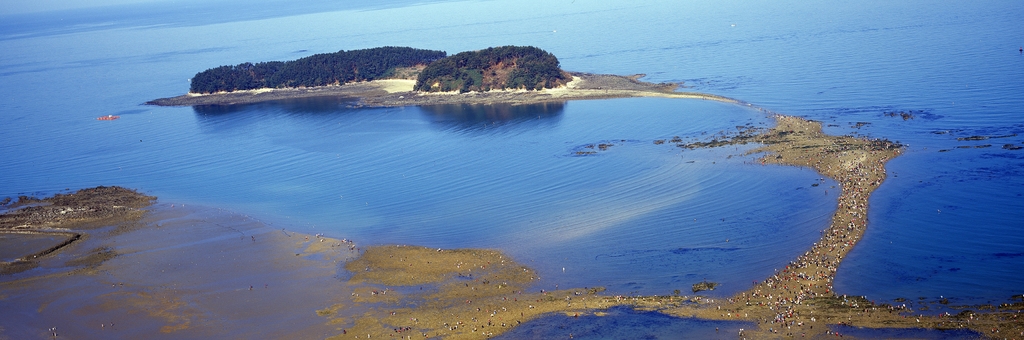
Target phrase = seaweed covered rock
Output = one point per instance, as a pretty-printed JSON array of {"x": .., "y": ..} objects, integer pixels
[{"x": 704, "y": 285}]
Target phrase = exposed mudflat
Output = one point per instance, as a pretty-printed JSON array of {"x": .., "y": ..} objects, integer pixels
[
  {"x": 178, "y": 272},
  {"x": 33, "y": 228}
]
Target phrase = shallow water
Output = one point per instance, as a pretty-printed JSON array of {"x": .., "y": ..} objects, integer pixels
[
  {"x": 16, "y": 246},
  {"x": 943, "y": 224},
  {"x": 625, "y": 323},
  {"x": 167, "y": 279},
  {"x": 905, "y": 333}
]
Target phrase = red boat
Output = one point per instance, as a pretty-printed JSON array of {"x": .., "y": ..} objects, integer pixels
[{"x": 108, "y": 117}]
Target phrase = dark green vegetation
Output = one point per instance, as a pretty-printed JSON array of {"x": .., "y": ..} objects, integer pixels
[
  {"x": 315, "y": 70},
  {"x": 506, "y": 67}
]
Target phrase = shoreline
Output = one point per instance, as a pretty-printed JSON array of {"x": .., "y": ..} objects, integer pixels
[{"x": 399, "y": 92}]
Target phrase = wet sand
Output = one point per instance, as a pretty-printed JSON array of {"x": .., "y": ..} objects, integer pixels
[
  {"x": 25, "y": 245},
  {"x": 452, "y": 294},
  {"x": 170, "y": 271},
  {"x": 179, "y": 272}
]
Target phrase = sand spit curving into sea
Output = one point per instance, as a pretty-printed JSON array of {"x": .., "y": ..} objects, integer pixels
[
  {"x": 399, "y": 92},
  {"x": 475, "y": 294},
  {"x": 799, "y": 301}
]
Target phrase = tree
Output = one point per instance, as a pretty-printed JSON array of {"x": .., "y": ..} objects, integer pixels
[
  {"x": 505, "y": 67},
  {"x": 315, "y": 70}
]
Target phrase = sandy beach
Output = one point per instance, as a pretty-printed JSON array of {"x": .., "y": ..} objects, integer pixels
[{"x": 399, "y": 92}]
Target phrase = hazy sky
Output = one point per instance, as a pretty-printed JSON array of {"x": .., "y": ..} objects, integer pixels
[{"x": 26, "y": 6}]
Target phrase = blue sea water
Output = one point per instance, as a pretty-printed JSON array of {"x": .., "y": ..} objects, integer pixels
[
  {"x": 637, "y": 218},
  {"x": 626, "y": 323}
]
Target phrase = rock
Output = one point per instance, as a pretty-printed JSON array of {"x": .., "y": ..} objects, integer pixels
[{"x": 704, "y": 285}]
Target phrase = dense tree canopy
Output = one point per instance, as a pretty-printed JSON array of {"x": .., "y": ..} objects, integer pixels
[
  {"x": 315, "y": 70},
  {"x": 506, "y": 67}
]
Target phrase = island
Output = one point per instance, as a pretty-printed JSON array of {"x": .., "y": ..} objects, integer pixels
[{"x": 404, "y": 76}]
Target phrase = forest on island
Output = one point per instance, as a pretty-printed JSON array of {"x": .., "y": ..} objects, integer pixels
[
  {"x": 506, "y": 67},
  {"x": 315, "y": 70}
]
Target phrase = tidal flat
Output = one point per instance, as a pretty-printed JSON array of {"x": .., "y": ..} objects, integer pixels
[{"x": 173, "y": 271}]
